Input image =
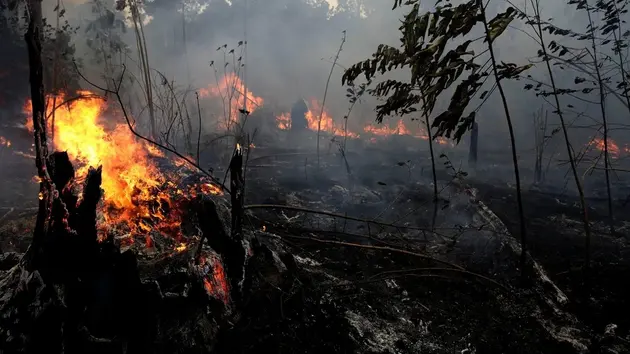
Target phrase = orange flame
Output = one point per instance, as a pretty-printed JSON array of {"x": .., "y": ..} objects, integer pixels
[
  {"x": 136, "y": 193},
  {"x": 126, "y": 167},
  {"x": 399, "y": 129},
  {"x": 283, "y": 121},
  {"x": 231, "y": 89},
  {"x": 327, "y": 123},
  {"x": 402, "y": 129},
  {"x": 216, "y": 283},
  {"x": 613, "y": 148}
]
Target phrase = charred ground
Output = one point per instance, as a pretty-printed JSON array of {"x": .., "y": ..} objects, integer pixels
[{"x": 321, "y": 282}]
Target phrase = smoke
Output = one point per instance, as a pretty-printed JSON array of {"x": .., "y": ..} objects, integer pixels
[{"x": 291, "y": 44}]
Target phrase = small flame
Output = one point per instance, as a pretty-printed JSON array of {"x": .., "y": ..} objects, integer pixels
[
  {"x": 400, "y": 128},
  {"x": 209, "y": 188},
  {"x": 181, "y": 248},
  {"x": 5, "y": 142},
  {"x": 283, "y": 121}
]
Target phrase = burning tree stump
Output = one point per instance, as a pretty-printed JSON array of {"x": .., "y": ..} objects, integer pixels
[
  {"x": 231, "y": 248},
  {"x": 79, "y": 290},
  {"x": 85, "y": 296}
]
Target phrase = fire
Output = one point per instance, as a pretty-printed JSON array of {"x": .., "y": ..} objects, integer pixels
[
  {"x": 327, "y": 123},
  {"x": 137, "y": 195},
  {"x": 215, "y": 282},
  {"x": 209, "y": 188},
  {"x": 613, "y": 148},
  {"x": 231, "y": 90},
  {"x": 127, "y": 170},
  {"x": 401, "y": 129},
  {"x": 5, "y": 142},
  {"x": 385, "y": 130},
  {"x": 181, "y": 248},
  {"x": 283, "y": 121}
]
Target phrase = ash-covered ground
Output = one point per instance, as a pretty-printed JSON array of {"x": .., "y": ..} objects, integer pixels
[{"x": 357, "y": 262}]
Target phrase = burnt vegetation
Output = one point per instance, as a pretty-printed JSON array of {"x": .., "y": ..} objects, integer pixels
[{"x": 176, "y": 218}]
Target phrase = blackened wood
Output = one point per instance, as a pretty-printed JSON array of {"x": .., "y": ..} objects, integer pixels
[
  {"x": 236, "y": 193},
  {"x": 34, "y": 46},
  {"x": 229, "y": 248}
]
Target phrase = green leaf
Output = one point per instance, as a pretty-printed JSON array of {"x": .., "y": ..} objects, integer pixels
[{"x": 497, "y": 25}]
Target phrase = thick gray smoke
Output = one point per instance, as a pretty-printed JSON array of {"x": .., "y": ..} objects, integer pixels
[{"x": 291, "y": 44}]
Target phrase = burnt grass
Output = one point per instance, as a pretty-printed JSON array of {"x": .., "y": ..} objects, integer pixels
[
  {"x": 602, "y": 297},
  {"x": 444, "y": 315},
  {"x": 339, "y": 299}
]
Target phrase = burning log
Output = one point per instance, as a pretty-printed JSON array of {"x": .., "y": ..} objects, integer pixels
[
  {"x": 78, "y": 288},
  {"x": 231, "y": 248}
]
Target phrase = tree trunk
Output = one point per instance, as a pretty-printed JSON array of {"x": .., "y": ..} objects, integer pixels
[{"x": 36, "y": 77}]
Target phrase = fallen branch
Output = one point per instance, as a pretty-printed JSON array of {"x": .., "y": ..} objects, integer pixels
[
  {"x": 380, "y": 248},
  {"x": 321, "y": 212},
  {"x": 404, "y": 272}
]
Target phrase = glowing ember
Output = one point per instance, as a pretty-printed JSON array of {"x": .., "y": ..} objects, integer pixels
[
  {"x": 283, "y": 121},
  {"x": 5, "y": 142},
  {"x": 215, "y": 280},
  {"x": 327, "y": 123},
  {"x": 443, "y": 141},
  {"x": 209, "y": 188},
  {"x": 230, "y": 90},
  {"x": 181, "y": 248},
  {"x": 613, "y": 148}
]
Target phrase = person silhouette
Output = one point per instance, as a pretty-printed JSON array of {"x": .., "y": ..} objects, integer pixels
[{"x": 298, "y": 119}]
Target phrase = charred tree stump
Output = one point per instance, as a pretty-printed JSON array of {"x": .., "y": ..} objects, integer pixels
[
  {"x": 231, "y": 248},
  {"x": 80, "y": 291},
  {"x": 236, "y": 193}
]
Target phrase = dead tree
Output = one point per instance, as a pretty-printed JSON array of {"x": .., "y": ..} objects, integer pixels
[
  {"x": 230, "y": 247},
  {"x": 33, "y": 40}
]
